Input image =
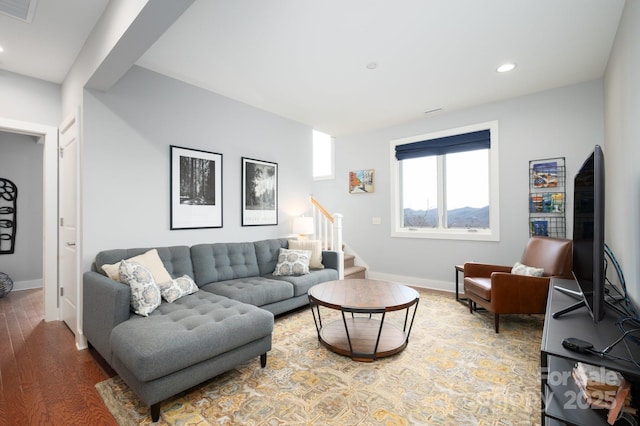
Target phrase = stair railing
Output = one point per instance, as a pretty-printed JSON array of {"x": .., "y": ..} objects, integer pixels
[{"x": 328, "y": 229}]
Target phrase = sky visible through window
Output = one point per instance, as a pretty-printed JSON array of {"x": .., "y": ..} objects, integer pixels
[
  {"x": 467, "y": 181},
  {"x": 321, "y": 154}
]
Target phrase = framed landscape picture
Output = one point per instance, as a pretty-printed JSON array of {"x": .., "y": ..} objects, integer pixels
[
  {"x": 196, "y": 189},
  {"x": 259, "y": 192}
]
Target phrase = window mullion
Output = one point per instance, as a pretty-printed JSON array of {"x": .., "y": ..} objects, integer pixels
[
  {"x": 400, "y": 194},
  {"x": 442, "y": 219}
]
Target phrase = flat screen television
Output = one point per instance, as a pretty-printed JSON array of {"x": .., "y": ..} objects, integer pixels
[{"x": 588, "y": 237}]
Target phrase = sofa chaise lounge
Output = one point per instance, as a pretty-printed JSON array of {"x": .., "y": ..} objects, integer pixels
[{"x": 228, "y": 321}]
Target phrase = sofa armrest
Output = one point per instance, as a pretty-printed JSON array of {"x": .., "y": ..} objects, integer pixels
[
  {"x": 483, "y": 270},
  {"x": 105, "y": 304},
  {"x": 519, "y": 293},
  {"x": 330, "y": 259}
]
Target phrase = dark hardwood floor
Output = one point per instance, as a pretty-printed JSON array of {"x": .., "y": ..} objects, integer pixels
[{"x": 44, "y": 379}]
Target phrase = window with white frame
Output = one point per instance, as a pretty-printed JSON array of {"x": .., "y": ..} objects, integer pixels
[
  {"x": 323, "y": 157},
  {"x": 445, "y": 184}
]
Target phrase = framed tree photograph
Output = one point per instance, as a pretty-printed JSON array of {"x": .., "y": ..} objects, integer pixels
[
  {"x": 196, "y": 189},
  {"x": 259, "y": 192}
]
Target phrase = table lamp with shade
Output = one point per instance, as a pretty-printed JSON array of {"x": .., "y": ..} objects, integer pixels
[{"x": 302, "y": 226}]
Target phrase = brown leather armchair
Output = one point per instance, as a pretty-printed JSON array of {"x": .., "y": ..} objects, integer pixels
[{"x": 499, "y": 291}]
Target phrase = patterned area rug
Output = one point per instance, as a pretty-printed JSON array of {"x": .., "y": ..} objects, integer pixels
[{"x": 455, "y": 371}]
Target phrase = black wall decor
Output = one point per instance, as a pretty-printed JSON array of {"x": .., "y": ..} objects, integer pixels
[
  {"x": 259, "y": 192},
  {"x": 196, "y": 188},
  {"x": 8, "y": 218}
]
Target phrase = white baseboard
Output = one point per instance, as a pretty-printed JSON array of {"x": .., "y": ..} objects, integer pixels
[
  {"x": 81, "y": 341},
  {"x": 27, "y": 285},
  {"x": 414, "y": 281}
]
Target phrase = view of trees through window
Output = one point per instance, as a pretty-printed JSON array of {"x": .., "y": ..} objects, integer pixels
[{"x": 456, "y": 184}]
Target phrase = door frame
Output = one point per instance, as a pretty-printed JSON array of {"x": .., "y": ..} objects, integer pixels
[
  {"x": 76, "y": 327},
  {"x": 48, "y": 136}
]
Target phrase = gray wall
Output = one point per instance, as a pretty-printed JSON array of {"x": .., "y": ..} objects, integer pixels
[
  {"x": 565, "y": 122},
  {"x": 21, "y": 162},
  {"x": 622, "y": 149},
  {"x": 125, "y": 161}
]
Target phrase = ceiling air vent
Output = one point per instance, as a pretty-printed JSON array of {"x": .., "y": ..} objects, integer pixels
[{"x": 19, "y": 9}]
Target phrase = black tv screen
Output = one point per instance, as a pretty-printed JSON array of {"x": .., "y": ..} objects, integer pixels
[{"x": 588, "y": 232}]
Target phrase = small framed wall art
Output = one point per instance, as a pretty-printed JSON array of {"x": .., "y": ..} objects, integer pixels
[
  {"x": 196, "y": 189},
  {"x": 259, "y": 192},
  {"x": 361, "y": 181}
]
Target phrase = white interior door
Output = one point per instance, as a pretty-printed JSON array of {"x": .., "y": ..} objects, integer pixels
[{"x": 68, "y": 232}]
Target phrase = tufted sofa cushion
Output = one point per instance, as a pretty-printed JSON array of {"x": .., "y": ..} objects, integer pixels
[
  {"x": 257, "y": 291},
  {"x": 267, "y": 252},
  {"x": 193, "y": 329},
  {"x": 302, "y": 283},
  {"x": 223, "y": 261}
]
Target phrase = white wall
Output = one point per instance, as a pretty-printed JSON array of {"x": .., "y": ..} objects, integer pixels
[
  {"x": 29, "y": 99},
  {"x": 565, "y": 122},
  {"x": 127, "y": 132},
  {"x": 622, "y": 148},
  {"x": 125, "y": 30},
  {"x": 21, "y": 162},
  {"x": 33, "y": 105}
]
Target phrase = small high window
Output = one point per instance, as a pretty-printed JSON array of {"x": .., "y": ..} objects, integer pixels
[{"x": 323, "y": 156}]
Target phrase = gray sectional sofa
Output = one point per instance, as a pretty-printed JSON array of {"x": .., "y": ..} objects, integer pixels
[{"x": 228, "y": 321}]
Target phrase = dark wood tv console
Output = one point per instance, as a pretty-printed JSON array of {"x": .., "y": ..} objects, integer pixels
[{"x": 561, "y": 400}]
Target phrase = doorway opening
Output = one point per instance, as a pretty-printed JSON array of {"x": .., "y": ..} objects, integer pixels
[{"x": 48, "y": 136}]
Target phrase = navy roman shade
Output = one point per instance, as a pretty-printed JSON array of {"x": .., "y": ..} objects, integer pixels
[{"x": 448, "y": 145}]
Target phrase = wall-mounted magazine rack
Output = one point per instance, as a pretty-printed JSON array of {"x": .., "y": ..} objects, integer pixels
[{"x": 547, "y": 197}]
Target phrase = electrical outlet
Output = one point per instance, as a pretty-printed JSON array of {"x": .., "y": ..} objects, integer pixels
[{"x": 376, "y": 221}]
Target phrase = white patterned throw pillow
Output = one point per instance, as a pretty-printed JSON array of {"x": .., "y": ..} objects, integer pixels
[
  {"x": 145, "y": 293},
  {"x": 520, "y": 269},
  {"x": 175, "y": 289},
  {"x": 292, "y": 262}
]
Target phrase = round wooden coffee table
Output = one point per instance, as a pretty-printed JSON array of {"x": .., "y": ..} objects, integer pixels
[{"x": 362, "y": 332}]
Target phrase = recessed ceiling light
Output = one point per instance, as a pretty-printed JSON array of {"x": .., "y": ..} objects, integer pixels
[
  {"x": 506, "y": 67},
  {"x": 1, "y": 49},
  {"x": 372, "y": 65}
]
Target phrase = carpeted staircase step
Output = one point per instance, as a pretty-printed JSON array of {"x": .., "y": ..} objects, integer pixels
[
  {"x": 351, "y": 270},
  {"x": 354, "y": 272},
  {"x": 349, "y": 260}
]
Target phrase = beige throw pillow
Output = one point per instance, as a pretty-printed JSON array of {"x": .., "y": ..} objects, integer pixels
[
  {"x": 315, "y": 246},
  {"x": 150, "y": 260}
]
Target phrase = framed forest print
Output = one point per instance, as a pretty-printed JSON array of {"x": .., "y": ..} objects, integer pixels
[
  {"x": 196, "y": 189},
  {"x": 259, "y": 192}
]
